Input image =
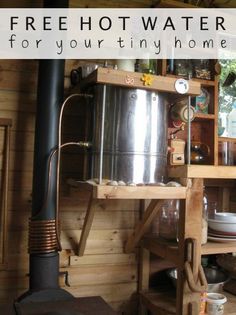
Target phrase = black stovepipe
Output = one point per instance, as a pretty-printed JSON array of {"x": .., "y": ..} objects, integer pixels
[{"x": 44, "y": 266}]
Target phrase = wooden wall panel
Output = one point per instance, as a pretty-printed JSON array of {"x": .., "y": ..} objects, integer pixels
[
  {"x": 104, "y": 269},
  {"x": 73, "y": 220},
  {"x": 80, "y": 4}
]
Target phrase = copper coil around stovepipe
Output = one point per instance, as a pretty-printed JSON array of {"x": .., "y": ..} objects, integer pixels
[{"x": 42, "y": 236}]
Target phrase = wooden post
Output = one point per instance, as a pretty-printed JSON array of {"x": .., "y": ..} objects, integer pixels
[
  {"x": 144, "y": 264},
  {"x": 144, "y": 271},
  {"x": 190, "y": 213}
]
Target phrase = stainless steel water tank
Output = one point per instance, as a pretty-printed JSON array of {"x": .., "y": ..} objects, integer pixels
[{"x": 129, "y": 135}]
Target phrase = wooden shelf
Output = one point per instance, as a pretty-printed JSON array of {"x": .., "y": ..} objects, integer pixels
[
  {"x": 229, "y": 307},
  {"x": 131, "y": 192},
  {"x": 204, "y": 82},
  {"x": 169, "y": 251},
  {"x": 218, "y": 248},
  {"x": 203, "y": 171},
  {"x": 161, "y": 303},
  {"x": 226, "y": 139},
  {"x": 200, "y": 81},
  {"x": 162, "y": 248},
  {"x": 200, "y": 116},
  {"x": 133, "y": 80}
]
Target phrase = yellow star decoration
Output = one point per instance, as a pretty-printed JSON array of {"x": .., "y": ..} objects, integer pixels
[{"x": 147, "y": 79}]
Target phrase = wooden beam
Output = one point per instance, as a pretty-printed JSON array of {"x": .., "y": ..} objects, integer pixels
[
  {"x": 86, "y": 227},
  {"x": 190, "y": 222},
  {"x": 138, "y": 192},
  {"x": 143, "y": 225},
  {"x": 144, "y": 270},
  {"x": 130, "y": 192}
]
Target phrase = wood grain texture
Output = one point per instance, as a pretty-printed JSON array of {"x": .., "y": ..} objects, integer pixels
[
  {"x": 120, "y": 78},
  {"x": 143, "y": 225},
  {"x": 113, "y": 220},
  {"x": 203, "y": 171}
]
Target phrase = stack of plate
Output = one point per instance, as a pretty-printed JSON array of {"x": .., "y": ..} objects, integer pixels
[{"x": 223, "y": 227}]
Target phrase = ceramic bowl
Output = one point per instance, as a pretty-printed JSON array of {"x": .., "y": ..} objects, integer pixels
[
  {"x": 225, "y": 216},
  {"x": 222, "y": 226}
]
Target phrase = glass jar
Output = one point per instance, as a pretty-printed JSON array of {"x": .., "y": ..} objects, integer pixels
[
  {"x": 201, "y": 69},
  {"x": 211, "y": 209},
  {"x": 146, "y": 66},
  {"x": 182, "y": 67},
  {"x": 169, "y": 219}
]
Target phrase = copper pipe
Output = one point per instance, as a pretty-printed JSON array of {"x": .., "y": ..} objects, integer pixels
[
  {"x": 45, "y": 223},
  {"x": 59, "y": 157},
  {"x": 42, "y": 236}
]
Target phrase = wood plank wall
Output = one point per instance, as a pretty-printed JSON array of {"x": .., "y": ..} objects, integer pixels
[
  {"x": 80, "y": 3},
  {"x": 104, "y": 270}
]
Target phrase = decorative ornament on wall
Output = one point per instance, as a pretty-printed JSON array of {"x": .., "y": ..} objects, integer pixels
[{"x": 147, "y": 79}]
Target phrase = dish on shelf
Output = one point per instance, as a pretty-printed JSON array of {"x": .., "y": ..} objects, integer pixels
[
  {"x": 220, "y": 239},
  {"x": 222, "y": 226},
  {"x": 211, "y": 231},
  {"x": 226, "y": 216},
  {"x": 221, "y": 236}
]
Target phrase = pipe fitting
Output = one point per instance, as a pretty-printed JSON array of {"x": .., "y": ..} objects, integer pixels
[{"x": 84, "y": 144}]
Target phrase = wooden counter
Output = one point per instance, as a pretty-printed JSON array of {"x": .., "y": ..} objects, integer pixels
[{"x": 203, "y": 171}]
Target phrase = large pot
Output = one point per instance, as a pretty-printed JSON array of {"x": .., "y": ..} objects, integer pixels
[
  {"x": 215, "y": 278},
  {"x": 129, "y": 135}
]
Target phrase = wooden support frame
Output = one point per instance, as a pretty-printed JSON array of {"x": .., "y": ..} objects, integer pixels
[
  {"x": 190, "y": 213},
  {"x": 186, "y": 302},
  {"x": 126, "y": 192},
  {"x": 86, "y": 226},
  {"x": 144, "y": 270},
  {"x": 143, "y": 225}
]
